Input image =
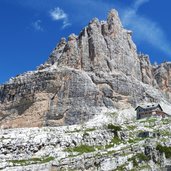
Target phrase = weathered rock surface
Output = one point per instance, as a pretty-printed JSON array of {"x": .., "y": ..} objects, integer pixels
[
  {"x": 158, "y": 76},
  {"x": 162, "y": 75},
  {"x": 99, "y": 69},
  {"x": 130, "y": 146},
  {"x": 146, "y": 70}
]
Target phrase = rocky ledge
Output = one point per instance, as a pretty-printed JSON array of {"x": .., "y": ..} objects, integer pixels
[{"x": 138, "y": 145}]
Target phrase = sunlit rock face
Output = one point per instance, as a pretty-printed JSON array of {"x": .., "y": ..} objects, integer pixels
[
  {"x": 102, "y": 46},
  {"x": 158, "y": 76},
  {"x": 96, "y": 71},
  {"x": 162, "y": 75}
]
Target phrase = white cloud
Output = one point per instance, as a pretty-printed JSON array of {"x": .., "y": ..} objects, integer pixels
[
  {"x": 58, "y": 14},
  {"x": 37, "y": 25},
  {"x": 145, "y": 29},
  {"x": 138, "y": 3}
]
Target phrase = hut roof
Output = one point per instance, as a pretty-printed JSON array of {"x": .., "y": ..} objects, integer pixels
[{"x": 150, "y": 107}]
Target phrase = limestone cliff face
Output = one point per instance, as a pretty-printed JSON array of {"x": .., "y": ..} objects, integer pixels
[
  {"x": 95, "y": 71},
  {"x": 146, "y": 69},
  {"x": 158, "y": 76},
  {"x": 100, "y": 47},
  {"x": 162, "y": 75}
]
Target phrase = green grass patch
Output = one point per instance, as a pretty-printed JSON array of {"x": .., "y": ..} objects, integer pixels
[
  {"x": 73, "y": 155},
  {"x": 109, "y": 145},
  {"x": 100, "y": 147},
  {"x": 166, "y": 121},
  {"x": 81, "y": 149},
  {"x": 74, "y": 131},
  {"x": 120, "y": 168},
  {"x": 90, "y": 129},
  {"x": 165, "y": 133},
  {"x": 48, "y": 159},
  {"x": 151, "y": 120},
  {"x": 143, "y": 157},
  {"x": 115, "y": 141},
  {"x": 131, "y": 141},
  {"x": 164, "y": 139},
  {"x": 147, "y": 167},
  {"x": 164, "y": 149},
  {"x": 134, "y": 161},
  {"x": 135, "y": 140},
  {"x": 138, "y": 158},
  {"x": 131, "y": 127},
  {"x": 114, "y": 127},
  {"x": 111, "y": 152},
  {"x": 32, "y": 161},
  {"x": 143, "y": 121}
]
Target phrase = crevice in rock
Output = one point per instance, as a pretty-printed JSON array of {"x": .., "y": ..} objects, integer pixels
[
  {"x": 91, "y": 46},
  {"x": 107, "y": 45},
  {"x": 108, "y": 64}
]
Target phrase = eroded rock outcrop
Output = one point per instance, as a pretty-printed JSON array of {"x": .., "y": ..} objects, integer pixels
[
  {"x": 146, "y": 69},
  {"x": 162, "y": 75}
]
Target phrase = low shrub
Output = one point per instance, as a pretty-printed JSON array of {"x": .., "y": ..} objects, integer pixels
[
  {"x": 114, "y": 128},
  {"x": 143, "y": 157},
  {"x": 138, "y": 158},
  {"x": 164, "y": 149}
]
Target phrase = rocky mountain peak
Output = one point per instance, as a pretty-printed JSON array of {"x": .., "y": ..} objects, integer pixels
[
  {"x": 72, "y": 37},
  {"x": 96, "y": 47},
  {"x": 114, "y": 22},
  {"x": 94, "y": 21},
  {"x": 98, "y": 70},
  {"x": 62, "y": 42},
  {"x": 113, "y": 14}
]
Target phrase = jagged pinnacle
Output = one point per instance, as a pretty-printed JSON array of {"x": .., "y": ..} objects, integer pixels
[{"x": 113, "y": 18}]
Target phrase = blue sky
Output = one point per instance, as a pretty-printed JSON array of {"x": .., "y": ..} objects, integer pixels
[{"x": 30, "y": 29}]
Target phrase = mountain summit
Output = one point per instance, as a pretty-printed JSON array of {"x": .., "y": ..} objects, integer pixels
[{"x": 97, "y": 71}]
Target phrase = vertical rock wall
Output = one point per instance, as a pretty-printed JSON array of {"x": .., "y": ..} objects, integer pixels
[{"x": 95, "y": 71}]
